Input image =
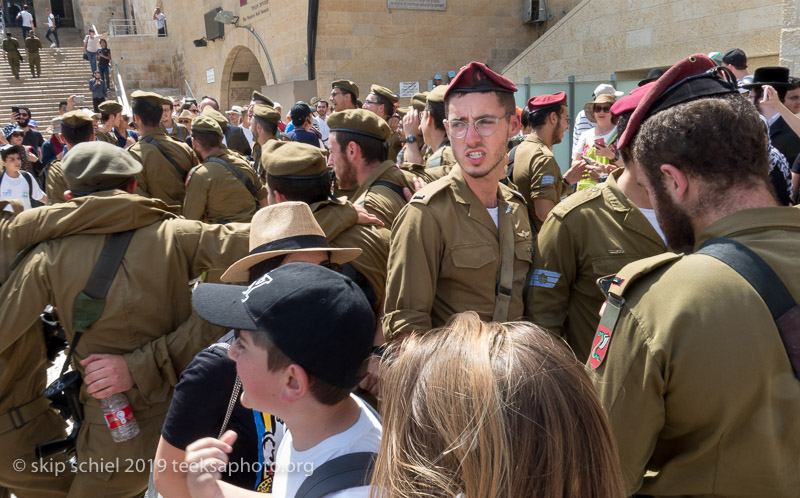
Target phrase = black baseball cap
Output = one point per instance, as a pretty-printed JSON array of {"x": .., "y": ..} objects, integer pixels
[
  {"x": 319, "y": 318},
  {"x": 736, "y": 58}
]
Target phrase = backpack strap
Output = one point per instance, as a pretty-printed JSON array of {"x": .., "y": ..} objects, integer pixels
[
  {"x": 181, "y": 171},
  {"x": 391, "y": 186},
  {"x": 347, "y": 471},
  {"x": 238, "y": 174},
  {"x": 510, "y": 167},
  {"x": 785, "y": 311}
]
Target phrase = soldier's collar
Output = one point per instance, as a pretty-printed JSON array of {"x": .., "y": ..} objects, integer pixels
[{"x": 750, "y": 219}]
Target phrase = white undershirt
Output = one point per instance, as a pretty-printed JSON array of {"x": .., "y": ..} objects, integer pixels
[
  {"x": 650, "y": 214},
  {"x": 493, "y": 213},
  {"x": 17, "y": 188}
]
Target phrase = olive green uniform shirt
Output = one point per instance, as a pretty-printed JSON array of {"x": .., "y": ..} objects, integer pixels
[
  {"x": 159, "y": 178},
  {"x": 32, "y": 46},
  {"x": 589, "y": 235},
  {"x": 444, "y": 256},
  {"x": 380, "y": 200},
  {"x": 56, "y": 185},
  {"x": 215, "y": 195},
  {"x": 537, "y": 175},
  {"x": 179, "y": 132},
  {"x": 11, "y": 47},
  {"x": 106, "y": 136},
  {"x": 438, "y": 163},
  {"x": 696, "y": 381}
]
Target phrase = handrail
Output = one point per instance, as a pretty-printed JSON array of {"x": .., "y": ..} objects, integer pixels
[
  {"x": 132, "y": 27},
  {"x": 122, "y": 97},
  {"x": 190, "y": 90}
]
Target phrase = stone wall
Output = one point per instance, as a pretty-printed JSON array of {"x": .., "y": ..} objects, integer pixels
[
  {"x": 145, "y": 62},
  {"x": 790, "y": 36},
  {"x": 601, "y": 37}
]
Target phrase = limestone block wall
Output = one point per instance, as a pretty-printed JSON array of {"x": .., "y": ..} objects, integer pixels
[
  {"x": 790, "y": 36},
  {"x": 601, "y": 37},
  {"x": 145, "y": 63}
]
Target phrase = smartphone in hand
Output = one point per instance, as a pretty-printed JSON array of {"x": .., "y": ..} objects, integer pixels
[
  {"x": 588, "y": 160},
  {"x": 599, "y": 142}
]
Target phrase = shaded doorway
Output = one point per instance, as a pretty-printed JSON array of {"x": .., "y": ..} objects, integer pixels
[{"x": 241, "y": 75}]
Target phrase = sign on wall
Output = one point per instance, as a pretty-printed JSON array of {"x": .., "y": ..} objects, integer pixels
[
  {"x": 210, "y": 75},
  {"x": 418, "y": 4},
  {"x": 408, "y": 88},
  {"x": 251, "y": 11}
]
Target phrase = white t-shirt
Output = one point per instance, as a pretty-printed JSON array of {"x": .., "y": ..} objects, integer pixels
[
  {"x": 650, "y": 214},
  {"x": 324, "y": 129},
  {"x": 589, "y": 136},
  {"x": 26, "y": 18},
  {"x": 493, "y": 212},
  {"x": 160, "y": 20},
  {"x": 292, "y": 467},
  {"x": 17, "y": 188},
  {"x": 51, "y": 21},
  {"x": 92, "y": 43},
  {"x": 248, "y": 135}
]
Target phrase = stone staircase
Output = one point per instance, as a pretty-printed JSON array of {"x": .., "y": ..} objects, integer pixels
[{"x": 64, "y": 73}]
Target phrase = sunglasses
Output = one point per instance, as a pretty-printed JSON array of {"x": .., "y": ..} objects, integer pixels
[
  {"x": 17, "y": 134},
  {"x": 602, "y": 108},
  {"x": 184, "y": 121}
]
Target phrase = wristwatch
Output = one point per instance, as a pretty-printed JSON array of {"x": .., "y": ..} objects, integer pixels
[
  {"x": 603, "y": 178},
  {"x": 410, "y": 139}
]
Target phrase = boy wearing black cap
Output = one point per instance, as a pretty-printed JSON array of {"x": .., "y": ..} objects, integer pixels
[{"x": 296, "y": 365}]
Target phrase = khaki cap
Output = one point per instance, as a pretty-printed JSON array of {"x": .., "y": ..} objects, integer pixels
[
  {"x": 314, "y": 101},
  {"x": 216, "y": 116},
  {"x": 284, "y": 228},
  {"x": 419, "y": 100},
  {"x": 360, "y": 121},
  {"x": 384, "y": 92},
  {"x": 267, "y": 112},
  {"x": 206, "y": 124},
  {"x": 76, "y": 119},
  {"x": 437, "y": 94},
  {"x": 293, "y": 159},
  {"x": 402, "y": 111},
  {"x": 151, "y": 98},
  {"x": 185, "y": 114},
  {"x": 346, "y": 85},
  {"x": 263, "y": 98},
  {"x": 94, "y": 166},
  {"x": 110, "y": 107}
]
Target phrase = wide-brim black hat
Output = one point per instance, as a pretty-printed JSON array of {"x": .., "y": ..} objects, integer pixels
[{"x": 774, "y": 76}]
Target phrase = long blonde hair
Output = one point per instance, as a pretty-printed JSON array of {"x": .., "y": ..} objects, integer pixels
[{"x": 490, "y": 410}]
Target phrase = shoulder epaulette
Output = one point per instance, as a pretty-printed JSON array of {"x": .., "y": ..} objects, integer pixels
[
  {"x": 513, "y": 192},
  {"x": 426, "y": 194},
  {"x": 633, "y": 271},
  {"x": 577, "y": 199}
]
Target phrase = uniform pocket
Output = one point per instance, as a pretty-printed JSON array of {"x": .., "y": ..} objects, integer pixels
[
  {"x": 611, "y": 265},
  {"x": 523, "y": 250},
  {"x": 472, "y": 255}
]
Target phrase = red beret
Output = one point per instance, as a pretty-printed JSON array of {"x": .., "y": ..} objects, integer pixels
[
  {"x": 692, "y": 78},
  {"x": 476, "y": 77},
  {"x": 629, "y": 102},
  {"x": 542, "y": 101}
]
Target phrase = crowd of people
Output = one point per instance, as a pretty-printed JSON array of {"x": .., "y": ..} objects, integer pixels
[{"x": 363, "y": 299}]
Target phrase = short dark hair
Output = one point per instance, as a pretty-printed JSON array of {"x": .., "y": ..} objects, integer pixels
[
  {"x": 706, "y": 138},
  {"x": 62, "y": 103},
  {"x": 269, "y": 126},
  {"x": 538, "y": 118},
  {"x": 30, "y": 114},
  {"x": 212, "y": 99},
  {"x": 78, "y": 134},
  {"x": 388, "y": 105},
  {"x": 105, "y": 117},
  {"x": 300, "y": 111},
  {"x": 758, "y": 91},
  {"x": 309, "y": 190},
  {"x": 207, "y": 139},
  {"x": 436, "y": 110},
  {"x": 372, "y": 149},
  {"x": 263, "y": 267},
  {"x": 13, "y": 150},
  {"x": 150, "y": 114}
]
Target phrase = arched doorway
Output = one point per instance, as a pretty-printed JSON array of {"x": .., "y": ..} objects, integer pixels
[{"x": 242, "y": 74}]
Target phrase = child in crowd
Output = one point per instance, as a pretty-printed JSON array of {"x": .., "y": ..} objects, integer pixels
[{"x": 15, "y": 183}]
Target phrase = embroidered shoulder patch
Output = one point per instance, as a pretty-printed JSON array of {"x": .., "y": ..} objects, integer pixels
[
  {"x": 548, "y": 180},
  {"x": 544, "y": 278},
  {"x": 600, "y": 346}
]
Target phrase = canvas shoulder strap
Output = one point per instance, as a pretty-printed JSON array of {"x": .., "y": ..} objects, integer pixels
[
  {"x": 238, "y": 174},
  {"x": 785, "y": 311},
  {"x": 347, "y": 471},
  {"x": 505, "y": 275},
  {"x": 151, "y": 141},
  {"x": 391, "y": 186}
]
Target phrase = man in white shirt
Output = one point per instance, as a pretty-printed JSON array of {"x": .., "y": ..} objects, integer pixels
[
  {"x": 161, "y": 22},
  {"x": 15, "y": 183},
  {"x": 300, "y": 369},
  {"x": 52, "y": 29},
  {"x": 27, "y": 21}
]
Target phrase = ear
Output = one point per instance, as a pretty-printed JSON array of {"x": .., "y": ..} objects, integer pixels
[
  {"x": 675, "y": 181},
  {"x": 515, "y": 125},
  {"x": 68, "y": 195},
  {"x": 279, "y": 197},
  {"x": 294, "y": 383},
  {"x": 352, "y": 150}
]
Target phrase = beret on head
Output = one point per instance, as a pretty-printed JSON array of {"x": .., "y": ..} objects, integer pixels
[
  {"x": 110, "y": 107},
  {"x": 629, "y": 102},
  {"x": 346, "y": 85},
  {"x": 418, "y": 101},
  {"x": 215, "y": 115},
  {"x": 692, "y": 78},
  {"x": 293, "y": 159},
  {"x": 151, "y": 98},
  {"x": 360, "y": 121},
  {"x": 95, "y": 166},
  {"x": 206, "y": 124},
  {"x": 266, "y": 112},
  {"x": 384, "y": 92},
  {"x": 477, "y": 77},
  {"x": 75, "y": 119},
  {"x": 545, "y": 101},
  {"x": 258, "y": 96},
  {"x": 437, "y": 94}
]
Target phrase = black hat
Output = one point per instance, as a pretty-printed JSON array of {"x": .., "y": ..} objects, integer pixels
[
  {"x": 774, "y": 76},
  {"x": 652, "y": 75},
  {"x": 736, "y": 58},
  {"x": 320, "y": 319}
]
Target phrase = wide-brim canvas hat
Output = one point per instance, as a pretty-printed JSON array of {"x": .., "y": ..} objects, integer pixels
[
  {"x": 600, "y": 99},
  {"x": 774, "y": 76},
  {"x": 285, "y": 228}
]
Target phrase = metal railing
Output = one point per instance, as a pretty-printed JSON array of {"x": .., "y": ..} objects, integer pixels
[
  {"x": 190, "y": 90},
  {"x": 122, "y": 97},
  {"x": 132, "y": 27}
]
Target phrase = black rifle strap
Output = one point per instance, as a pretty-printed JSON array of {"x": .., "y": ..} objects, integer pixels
[
  {"x": 182, "y": 172},
  {"x": 238, "y": 174},
  {"x": 347, "y": 471},
  {"x": 391, "y": 186}
]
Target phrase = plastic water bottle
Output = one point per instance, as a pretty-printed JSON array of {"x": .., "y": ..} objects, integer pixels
[{"x": 119, "y": 417}]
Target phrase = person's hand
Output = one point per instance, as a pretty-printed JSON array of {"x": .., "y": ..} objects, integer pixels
[
  {"x": 575, "y": 171},
  {"x": 365, "y": 217},
  {"x": 206, "y": 459},
  {"x": 411, "y": 123},
  {"x": 394, "y": 123},
  {"x": 371, "y": 382},
  {"x": 603, "y": 151},
  {"x": 596, "y": 171},
  {"x": 770, "y": 99},
  {"x": 32, "y": 158},
  {"x": 106, "y": 374},
  {"x": 14, "y": 117},
  {"x": 130, "y": 141}
]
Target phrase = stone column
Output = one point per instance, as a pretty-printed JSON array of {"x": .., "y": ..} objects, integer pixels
[{"x": 790, "y": 36}]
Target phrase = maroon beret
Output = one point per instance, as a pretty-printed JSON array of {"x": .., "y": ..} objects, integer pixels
[
  {"x": 476, "y": 77},
  {"x": 692, "y": 78},
  {"x": 542, "y": 101},
  {"x": 629, "y": 102}
]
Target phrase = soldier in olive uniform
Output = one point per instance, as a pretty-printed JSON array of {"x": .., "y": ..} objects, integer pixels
[
  {"x": 381, "y": 101},
  {"x": 436, "y": 159},
  {"x": 536, "y": 173},
  {"x": 110, "y": 116},
  {"x": 264, "y": 125},
  {"x": 464, "y": 241},
  {"x": 222, "y": 121},
  {"x": 32, "y": 46},
  {"x": 344, "y": 95},
  {"x": 76, "y": 127},
  {"x": 166, "y": 162},
  {"x": 358, "y": 156},
  {"x": 222, "y": 188},
  {"x": 11, "y": 53},
  {"x": 175, "y": 130},
  {"x": 410, "y": 127},
  {"x": 136, "y": 346},
  {"x": 689, "y": 362}
]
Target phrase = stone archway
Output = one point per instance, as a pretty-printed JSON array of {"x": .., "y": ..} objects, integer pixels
[{"x": 241, "y": 75}]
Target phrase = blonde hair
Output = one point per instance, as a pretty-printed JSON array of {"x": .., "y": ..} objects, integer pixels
[{"x": 491, "y": 409}]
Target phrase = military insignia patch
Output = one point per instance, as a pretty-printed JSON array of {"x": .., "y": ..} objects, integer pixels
[
  {"x": 599, "y": 346},
  {"x": 188, "y": 177},
  {"x": 548, "y": 180},
  {"x": 544, "y": 278}
]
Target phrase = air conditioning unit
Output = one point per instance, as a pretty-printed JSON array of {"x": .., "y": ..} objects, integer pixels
[{"x": 534, "y": 11}]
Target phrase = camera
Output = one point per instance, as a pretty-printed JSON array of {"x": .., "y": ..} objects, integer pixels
[{"x": 63, "y": 394}]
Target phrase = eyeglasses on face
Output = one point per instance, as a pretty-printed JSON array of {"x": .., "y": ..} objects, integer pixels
[
  {"x": 184, "y": 121},
  {"x": 602, "y": 108},
  {"x": 485, "y": 127},
  {"x": 335, "y": 94},
  {"x": 17, "y": 134},
  {"x": 370, "y": 102}
]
